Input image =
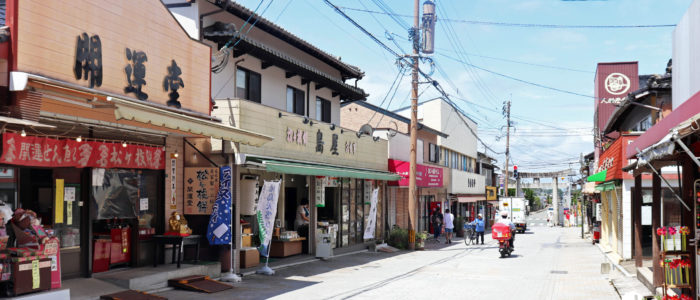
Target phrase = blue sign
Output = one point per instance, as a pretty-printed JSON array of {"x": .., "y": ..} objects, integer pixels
[{"x": 219, "y": 229}]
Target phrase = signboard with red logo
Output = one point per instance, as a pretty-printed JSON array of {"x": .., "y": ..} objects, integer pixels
[
  {"x": 48, "y": 152},
  {"x": 613, "y": 81},
  {"x": 426, "y": 176}
]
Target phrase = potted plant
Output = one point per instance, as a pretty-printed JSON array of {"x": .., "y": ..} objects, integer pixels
[{"x": 420, "y": 239}]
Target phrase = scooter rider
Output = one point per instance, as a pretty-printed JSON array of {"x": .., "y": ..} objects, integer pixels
[{"x": 504, "y": 220}]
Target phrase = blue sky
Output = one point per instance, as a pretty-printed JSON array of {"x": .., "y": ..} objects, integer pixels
[{"x": 563, "y": 121}]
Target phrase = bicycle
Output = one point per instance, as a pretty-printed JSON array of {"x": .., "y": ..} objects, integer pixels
[{"x": 469, "y": 234}]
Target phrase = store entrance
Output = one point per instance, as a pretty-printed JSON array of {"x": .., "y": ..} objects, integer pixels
[{"x": 39, "y": 191}]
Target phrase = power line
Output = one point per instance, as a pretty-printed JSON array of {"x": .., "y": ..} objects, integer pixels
[
  {"x": 508, "y": 60},
  {"x": 522, "y": 25},
  {"x": 520, "y": 80}
]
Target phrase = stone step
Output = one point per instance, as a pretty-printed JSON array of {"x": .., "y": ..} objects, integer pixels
[{"x": 150, "y": 278}]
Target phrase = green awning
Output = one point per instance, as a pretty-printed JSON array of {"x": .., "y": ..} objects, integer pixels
[
  {"x": 320, "y": 170},
  {"x": 598, "y": 177},
  {"x": 608, "y": 186}
]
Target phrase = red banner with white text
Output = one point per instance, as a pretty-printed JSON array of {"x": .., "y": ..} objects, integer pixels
[{"x": 47, "y": 152}]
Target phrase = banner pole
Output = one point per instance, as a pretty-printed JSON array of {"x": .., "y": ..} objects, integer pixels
[{"x": 231, "y": 276}]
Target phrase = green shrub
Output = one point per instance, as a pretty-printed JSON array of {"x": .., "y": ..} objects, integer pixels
[{"x": 398, "y": 238}]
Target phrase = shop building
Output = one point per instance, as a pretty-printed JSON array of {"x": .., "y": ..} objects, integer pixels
[
  {"x": 457, "y": 152},
  {"x": 271, "y": 81},
  {"x": 673, "y": 142},
  {"x": 431, "y": 177},
  {"x": 633, "y": 112},
  {"x": 487, "y": 166},
  {"x": 98, "y": 115}
]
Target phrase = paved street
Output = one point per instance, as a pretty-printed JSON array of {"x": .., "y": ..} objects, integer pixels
[
  {"x": 537, "y": 219},
  {"x": 549, "y": 263}
]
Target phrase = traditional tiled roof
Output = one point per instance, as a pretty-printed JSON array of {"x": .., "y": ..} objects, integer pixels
[
  {"x": 347, "y": 70},
  {"x": 222, "y": 33}
]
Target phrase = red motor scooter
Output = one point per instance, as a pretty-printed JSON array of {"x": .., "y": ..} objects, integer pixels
[{"x": 503, "y": 234}]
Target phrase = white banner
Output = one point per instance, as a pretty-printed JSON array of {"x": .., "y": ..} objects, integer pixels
[
  {"x": 372, "y": 220},
  {"x": 267, "y": 210}
]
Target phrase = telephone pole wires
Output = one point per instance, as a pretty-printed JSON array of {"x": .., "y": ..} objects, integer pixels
[
  {"x": 506, "y": 112},
  {"x": 412, "y": 190}
]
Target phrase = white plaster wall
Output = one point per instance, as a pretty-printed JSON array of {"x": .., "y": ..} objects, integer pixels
[
  {"x": 188, "y": 17},
  {"x": 439, "y": 115},
  {"x": 265, "y": 38},
  {"x": 686, "y": 55},
  {"x": 399, "y": 145},
  {"x": 459, "y": 183},
  {"x": 274, "y": 86},
  {"x": 627, "y": 216}
]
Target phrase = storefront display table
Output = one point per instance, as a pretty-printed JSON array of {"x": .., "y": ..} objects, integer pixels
[
  {"x": 178, "y": 243},
  {"x": 284, "y": 248}
]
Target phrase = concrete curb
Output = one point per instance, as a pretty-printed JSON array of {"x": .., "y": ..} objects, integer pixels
[{"x": 612, "y": 262}]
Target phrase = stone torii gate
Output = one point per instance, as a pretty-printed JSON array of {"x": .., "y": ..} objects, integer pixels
[{"x": 555, "y": 189}]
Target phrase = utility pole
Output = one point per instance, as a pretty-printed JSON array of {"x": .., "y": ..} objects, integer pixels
[
  {"x": 507, "y": 112},
  {"x": 412, "y": 191}
]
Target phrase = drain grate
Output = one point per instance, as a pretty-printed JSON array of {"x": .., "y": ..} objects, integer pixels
[{"x": 558, "y": 272}]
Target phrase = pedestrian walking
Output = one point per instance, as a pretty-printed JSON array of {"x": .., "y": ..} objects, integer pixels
[
  {"x": 479, "y": 228},
  {"x": 436, "y": 220},
  {"x": 449, "y": 226}
]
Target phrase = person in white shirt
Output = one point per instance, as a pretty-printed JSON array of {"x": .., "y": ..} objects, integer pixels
[
  {"x": 505, "y": 220},
  {"x": 448, "y": 219}
]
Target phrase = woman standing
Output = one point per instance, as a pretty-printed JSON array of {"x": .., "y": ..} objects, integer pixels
[{"x": 302, "y": 214}]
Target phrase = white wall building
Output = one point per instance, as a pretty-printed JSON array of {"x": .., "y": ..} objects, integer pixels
[{"x": 457, "y": 152}]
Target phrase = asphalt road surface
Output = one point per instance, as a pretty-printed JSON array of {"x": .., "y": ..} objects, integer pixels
[{"x": 548, "y": 263}]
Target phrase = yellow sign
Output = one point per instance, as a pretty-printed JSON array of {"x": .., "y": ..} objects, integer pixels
[
  {"x": 491, "y": 193},
  {"x": 59, "y": 201},
  {"x": 69, "y": 213},
  {"x": 36, "y": 278},
  {"x": 505, "y": 203}
]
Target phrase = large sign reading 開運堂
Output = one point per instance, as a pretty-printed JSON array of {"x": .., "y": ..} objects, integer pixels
[
  {"x": 48, "y": 152},
  {"x": 141, "y": 52}
]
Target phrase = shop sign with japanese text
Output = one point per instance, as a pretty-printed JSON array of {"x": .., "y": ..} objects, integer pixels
[
  {"x": 48, "y": 152},
  {"x": 201, "y": 188},
  {"x": 426, "y": 176},
  {"x": 86, "y": 42}
]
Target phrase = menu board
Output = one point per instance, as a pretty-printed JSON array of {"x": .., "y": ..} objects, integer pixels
[{"x": 201, "y": 188}]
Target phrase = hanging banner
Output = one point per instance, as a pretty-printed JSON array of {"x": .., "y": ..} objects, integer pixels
[
  {"x": 372, "y": 219},
  {"x": 173, "y": 183},
  {"x": 320, "y": 191},
  {"x": 367, "y": 191},
  {"x": 219, "y": 229},
  {"x": 36, "y": 278},
  {"x": 201, "y": 188},
  {"x": 59, "y": 201},
  {"x": 47, "y": 152},
  {"x": 266, "y": 212}
]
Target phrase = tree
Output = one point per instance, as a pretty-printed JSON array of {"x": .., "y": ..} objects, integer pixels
[{"x": 530, "y": 196}]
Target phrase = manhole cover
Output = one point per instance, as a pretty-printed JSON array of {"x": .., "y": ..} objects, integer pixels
[{"x": 558, "y": 272}]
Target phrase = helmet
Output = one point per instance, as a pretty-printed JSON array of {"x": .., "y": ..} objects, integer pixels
[{"x": 504, "y": 214}]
